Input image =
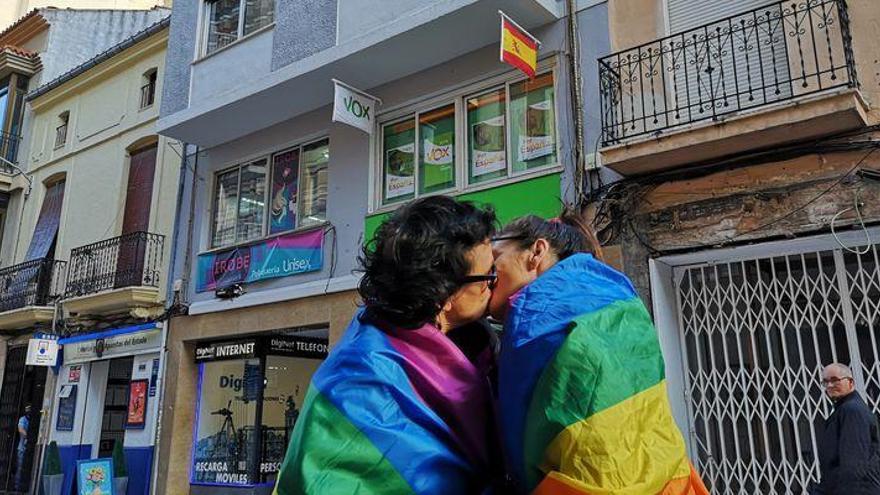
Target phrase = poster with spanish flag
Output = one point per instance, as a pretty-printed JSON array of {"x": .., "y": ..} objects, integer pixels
[{"x": 518, "y": 47}]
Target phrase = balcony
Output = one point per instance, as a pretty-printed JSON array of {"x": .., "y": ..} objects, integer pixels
[
  {"x": 780, "y": 73},
  {"x": 27, "y": 292},
  {"x": 366, "y": 55},
  {"x": 114, "y": 275}
]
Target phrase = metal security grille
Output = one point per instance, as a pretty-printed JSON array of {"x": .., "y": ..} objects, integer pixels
[{"x": 755, "y": 335}]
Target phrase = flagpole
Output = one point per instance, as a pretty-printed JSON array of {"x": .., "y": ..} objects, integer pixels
[
  {"x": 505, "y": 16},
  {"x": 358, "y": 91}
]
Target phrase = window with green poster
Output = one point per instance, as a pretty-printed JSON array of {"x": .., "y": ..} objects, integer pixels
[
  {"x": 437, "y": 150},
  {"x": 398, "y": 146},
  {"x": 501, "y": 130},
  {"x": 487, "y": 151},
  {"x": 533, "y": 123}
]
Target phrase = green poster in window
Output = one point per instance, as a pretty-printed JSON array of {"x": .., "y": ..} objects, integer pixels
[
  {"x": 533, "y": 123},
  {"x": 437, "y": 153},
  {"x": 487, "y": 146},
  {"x": 399, "y": 179}
]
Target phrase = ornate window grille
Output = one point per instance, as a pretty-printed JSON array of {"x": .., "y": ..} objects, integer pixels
[{"x": 755, "y": 335}]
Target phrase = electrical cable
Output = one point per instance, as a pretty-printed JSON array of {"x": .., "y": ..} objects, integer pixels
[{"x": 861, "y": 221}]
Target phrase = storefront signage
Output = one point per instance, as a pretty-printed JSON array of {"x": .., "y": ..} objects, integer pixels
[
  {"x": 42, "y": 352},
  {"x": 353, "y": 107},
  {"x": 112, "y": 346},
  {"x": 305, "y": 347},
  {"x": 66, "y": 408},
  {"x": 281, "y": 256},
  {"x": 226, "y": 350}
]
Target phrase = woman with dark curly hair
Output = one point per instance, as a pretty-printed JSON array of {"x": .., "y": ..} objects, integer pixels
[
  {"x": 581, "y": 390},
  {"x": 403, "y": 403}
]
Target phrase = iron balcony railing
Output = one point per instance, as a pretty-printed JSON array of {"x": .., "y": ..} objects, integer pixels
[
  {"x": 32, "y": 283},
  {"x": 782, "y": 51},
  {"x": 148, "y": 94},
  {"x": 130, "y": 260},
  {"x": 8, "y": 150}
]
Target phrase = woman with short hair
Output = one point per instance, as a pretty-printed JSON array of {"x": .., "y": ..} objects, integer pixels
[
  {"x": 402, "y": 404},
  {"x": 582, "y": 395}
]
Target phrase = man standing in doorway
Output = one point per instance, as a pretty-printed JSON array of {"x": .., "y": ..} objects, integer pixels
[
  {"x": 23, "y": 425},
  {"x": 849, "y": 445}
]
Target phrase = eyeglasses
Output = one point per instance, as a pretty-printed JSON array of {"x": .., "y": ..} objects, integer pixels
[
  {"x": 834, "y": 380},
  {"x": 516, "y": 237},
  {"x": 491, "y": 278}
]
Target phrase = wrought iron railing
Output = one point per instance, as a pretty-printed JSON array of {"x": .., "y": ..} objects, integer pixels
[
  {"x": 32, "y": 283},
  {"x": 784, "y": 50},
  {"x": 130, "y": 260},
  {"x": 148, "y": 94},
  {"x": 8, "y": 150}
]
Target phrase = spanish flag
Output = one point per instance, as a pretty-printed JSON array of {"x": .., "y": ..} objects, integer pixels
[{"x": 518, "y": 47}]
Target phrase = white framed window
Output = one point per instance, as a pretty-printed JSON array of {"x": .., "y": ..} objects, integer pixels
[
  {"x": 229, "y": 20},
  {"x": 270, "y": 194},
  {"x": 479, "y": 136}
]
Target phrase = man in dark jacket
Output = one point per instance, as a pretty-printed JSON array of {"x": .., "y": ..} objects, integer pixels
[{"x": 849, "y": 445}]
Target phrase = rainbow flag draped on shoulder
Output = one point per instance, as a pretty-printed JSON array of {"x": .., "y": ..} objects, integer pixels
[
  {"x": 582, "y": 390},
  {"x": 391, "y": 412}
]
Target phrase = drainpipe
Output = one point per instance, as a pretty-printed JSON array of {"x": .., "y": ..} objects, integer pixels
[
  {"x": 574, "y": 54},
  {"x": 170, "y": 289}
]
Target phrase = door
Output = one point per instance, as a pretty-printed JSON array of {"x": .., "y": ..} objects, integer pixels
[
  {"x": 136, "y": 219},
  {"x": 755, "y": 334},
  {"x": 22, "y": 385},
  {"x": 115, "y": 405}
]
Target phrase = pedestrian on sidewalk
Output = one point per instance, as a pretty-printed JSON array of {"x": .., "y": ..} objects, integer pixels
[{"x": 849, "y": 442}]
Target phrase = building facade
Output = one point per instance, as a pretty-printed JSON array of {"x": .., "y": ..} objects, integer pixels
[
  {"x": 278, "y": 201},
  {"x": 16, "y": 9},
  {"x": 93, "y": 194},
  {"x": 746, "y": 134}
]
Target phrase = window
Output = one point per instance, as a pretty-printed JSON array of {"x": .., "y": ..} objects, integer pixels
[
  {"x": 226, "y": 24},
  {"x": 508, "y": 129},
  {"x": 61, "y": 129},
  {"x": 148, "y": 89},
  {"x": 249, "y": 400},
  {"x": 245, "y": 208}
]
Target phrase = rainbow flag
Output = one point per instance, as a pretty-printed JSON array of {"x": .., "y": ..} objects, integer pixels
[
  {"x": 582, "y": 390},
  {"x": 391, "y": 412}
]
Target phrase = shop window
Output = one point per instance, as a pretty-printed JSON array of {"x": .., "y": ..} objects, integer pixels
[
  {"x": 244, "y": 208},
  {"x": 226, "y": 24},
  {"x": 250, "y": 395},
  {"x": 224, "y": 449},
  {"x": 508, "y": 130}
]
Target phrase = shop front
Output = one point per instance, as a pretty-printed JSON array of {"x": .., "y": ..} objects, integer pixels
[
  {"x": 106, "y": 392},
  {"x": 250, "y": 392}
]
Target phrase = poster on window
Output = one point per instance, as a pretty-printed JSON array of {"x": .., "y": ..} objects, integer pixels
[
  {"x": 225, "y": 431},
  {"x": 137, "y": 404},
  {"x": 538, "y": 139},
  {"x": 285, "y": 169},
  {"x": 487, "y": 146},
  {"x": 400, "y": 177}
]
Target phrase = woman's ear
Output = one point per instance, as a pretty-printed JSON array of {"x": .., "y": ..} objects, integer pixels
[{"x": 540, "y": 251}]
